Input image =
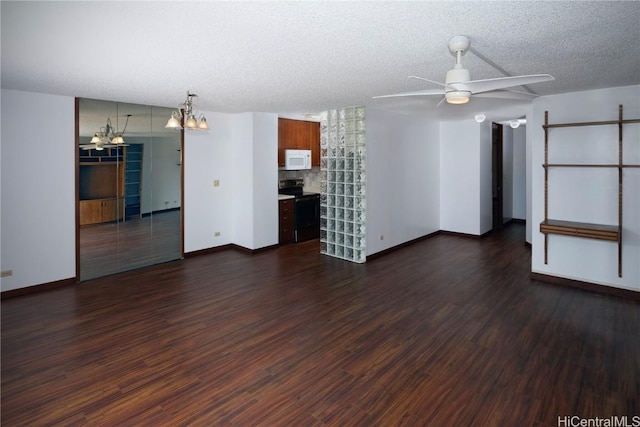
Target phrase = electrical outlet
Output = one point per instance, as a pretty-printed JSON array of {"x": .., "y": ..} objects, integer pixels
[
  {"x": 216, "y": 234},
  {"x": 216, "y": 183},
  {"x": 6, "y": 273},
  {"x": 382, "y": 237}
]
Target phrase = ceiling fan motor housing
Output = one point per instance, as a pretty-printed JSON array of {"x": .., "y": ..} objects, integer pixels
[
  {"x": 457, "y": 95},
  {"x": 458, "y": 75}
]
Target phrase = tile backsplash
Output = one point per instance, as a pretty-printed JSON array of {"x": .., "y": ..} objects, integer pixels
[{"x": 311, "y": 178}]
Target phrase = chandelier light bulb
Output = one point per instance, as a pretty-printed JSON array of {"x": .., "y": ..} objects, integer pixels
[
  {"x": 203, "y": 123},
  {"x": 191, "y": 123}
]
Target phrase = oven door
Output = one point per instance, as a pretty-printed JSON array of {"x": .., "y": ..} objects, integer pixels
[{"x": 307, "y": 217}]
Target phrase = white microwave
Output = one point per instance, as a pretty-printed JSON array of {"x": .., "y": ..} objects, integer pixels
[{"x": 297, "y": 159}]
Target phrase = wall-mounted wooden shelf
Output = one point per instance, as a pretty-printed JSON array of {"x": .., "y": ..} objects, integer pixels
[{"x": 580, "y": 229}]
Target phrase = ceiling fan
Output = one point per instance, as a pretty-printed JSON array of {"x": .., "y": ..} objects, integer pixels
[
  {"x": 458, "y": 86},
  {"x": 107, "y": 137}
]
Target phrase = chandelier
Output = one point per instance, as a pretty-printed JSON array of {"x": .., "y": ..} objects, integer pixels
[
  {"x": 107, "y": 136},
  {"x": 186, "y": 113}
]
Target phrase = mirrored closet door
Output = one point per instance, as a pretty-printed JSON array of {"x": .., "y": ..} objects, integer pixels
[{"x": 129, "y": 188}]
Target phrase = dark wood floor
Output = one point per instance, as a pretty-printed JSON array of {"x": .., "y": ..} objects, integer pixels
[
  {"x": 126, "y": 245},
  {"x": 448, "y": 331}
]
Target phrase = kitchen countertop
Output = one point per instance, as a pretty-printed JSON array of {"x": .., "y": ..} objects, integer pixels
[{"x": 285, "y": 197}]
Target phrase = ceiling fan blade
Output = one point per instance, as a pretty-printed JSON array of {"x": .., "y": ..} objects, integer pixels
[
  {"x": 430, "y": 81},
  {"x": 414, "y": 93},
  {"x": 478, "y": 86},
  {"x": 506, "y": 94}
]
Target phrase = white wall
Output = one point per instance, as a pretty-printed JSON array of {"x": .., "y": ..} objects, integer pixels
[
  {"x": 507, "y": 172},
  {"x": 240, "y": 152},
  {"x": 265, "y": 180},
  {"x": 485, "y": 178},
  {"x": 402, "y": 170},
  {"x": 38, "y": 188},
  {"x": 465, "y": 177},
  {"x": 207, "y": 209},
  {"x": 587, "y": 195},
  {"x": 519, "y": 195},
  {"x": 514, "y": 173},
  {"x": 255, "y": 180}
]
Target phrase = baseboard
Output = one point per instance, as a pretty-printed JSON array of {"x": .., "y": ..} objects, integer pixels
[
  {"x": 208, "y": 251},
  {"x": 229, "y": 246},
  {"x": 38, "y": 288},
  {"x": 401, "y": 245},
  {"x": 586, "y": 286},
  {"x": 465, "y": 235}
]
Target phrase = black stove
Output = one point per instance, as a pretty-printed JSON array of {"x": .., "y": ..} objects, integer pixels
[{"x": 306, "y": 209}]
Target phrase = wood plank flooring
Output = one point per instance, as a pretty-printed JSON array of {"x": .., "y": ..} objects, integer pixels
[
  {"x": 448, "y": 331},
  {"x": 113, "y": 247}
]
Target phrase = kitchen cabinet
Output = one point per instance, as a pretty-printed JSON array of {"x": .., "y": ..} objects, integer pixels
[
  {"x": 299, "y": 135},
  {"x": 286, "y": 220}
]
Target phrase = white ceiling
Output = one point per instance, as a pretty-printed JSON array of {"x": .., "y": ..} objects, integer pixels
[{"x": 306, "y": 57}]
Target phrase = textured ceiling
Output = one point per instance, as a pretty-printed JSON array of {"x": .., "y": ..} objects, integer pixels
[{"x": 307, "y": 57}]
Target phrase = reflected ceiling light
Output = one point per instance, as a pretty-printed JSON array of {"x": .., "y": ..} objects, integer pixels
[
  {"x": 107, "y": 136},
  {"x": 514, "y": 124},
  {"x": 186, "y": 112},
  {"x": 480, "y": 117}
]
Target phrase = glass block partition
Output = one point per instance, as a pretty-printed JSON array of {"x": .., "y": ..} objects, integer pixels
[{"x": 343, "y": 178}]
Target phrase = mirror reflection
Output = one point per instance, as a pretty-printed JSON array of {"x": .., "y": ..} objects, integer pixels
[{"x": 129, "y": 187}]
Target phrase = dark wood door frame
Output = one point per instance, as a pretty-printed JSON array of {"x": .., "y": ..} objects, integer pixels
[{"x": 497, "y": 172}]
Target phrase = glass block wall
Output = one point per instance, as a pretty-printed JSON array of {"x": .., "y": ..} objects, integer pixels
[{"x": 343, "y": 178}]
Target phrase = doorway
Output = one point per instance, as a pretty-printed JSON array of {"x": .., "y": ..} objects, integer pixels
[
  {"x": 497, "y": 174},
  {"x": 129, "y": 196}
]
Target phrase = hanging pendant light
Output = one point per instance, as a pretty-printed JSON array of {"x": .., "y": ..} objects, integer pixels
[{"x": 186, "y": 112}]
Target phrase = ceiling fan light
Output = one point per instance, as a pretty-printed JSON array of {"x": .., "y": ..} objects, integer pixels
[
  {"x": 457, "y": 97},
  {"x": 480, "y": 117},
  {"x": 95, "y": 139},
  {"x": 99, "y": 148}
]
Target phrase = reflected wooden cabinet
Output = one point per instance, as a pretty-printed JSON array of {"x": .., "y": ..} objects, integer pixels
[
  {"x": 299, "y": 135},
  {"x": 101, "y": 185},
  {"x": 100, "y": 210}
]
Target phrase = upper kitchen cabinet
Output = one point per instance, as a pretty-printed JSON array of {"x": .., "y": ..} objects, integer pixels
[{"x": 299, "y": 135}]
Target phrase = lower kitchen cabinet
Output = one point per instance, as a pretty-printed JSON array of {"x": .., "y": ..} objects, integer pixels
[{"x": 286, "y": 212}]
